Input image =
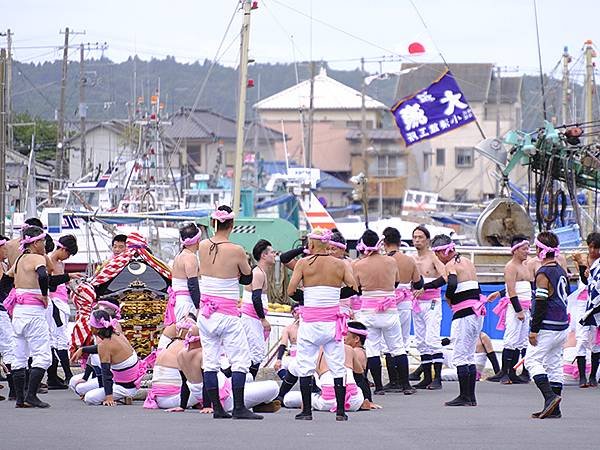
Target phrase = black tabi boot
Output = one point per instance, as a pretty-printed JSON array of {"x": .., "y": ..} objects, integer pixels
[
  {"x": 254, "y": 370},
  {"x": 502, "y": 376},
  {"x": 551, "y": 400},
  {"x": 374, "y": 366},
  {"x": 305, "y": 390},
  {"x": 239, "y": 408},
  {"x": 12, "y": 393},
  {"x": 581, "y": 368},
  {"x": 217, "y": 406},
  {"x": 426, "y": 381},
  {"x": 491, "y": 356},
  {"x": 286, "y": 386},
  {"x": 513, "y": 378},
  {"x": 401, "y": 364},
  {"x": 54, "y": 381},
  {"x": 525, "y": 373},
  {"x": 340, "y": 399},
  {"x": 463, "y": 398},
  {"x": 556, "y": 414},
  {"x": 416, "y": 375},
  {"x": 472, "y": 384},
  {"x": 35, "y": 378},
  {"x": 593, "y": 381},
  {"x": 393, "y": 375},
  {"x": 19, "y": 376},
  {"x": 63, "y": 357},
  {"x": 436, "y": 383}
]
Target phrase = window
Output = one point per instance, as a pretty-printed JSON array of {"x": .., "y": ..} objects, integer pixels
[
  {"x": 194, "y": 153},
  {"x": 460, "y": 195},
  {"x": 464, "y": 157},
  {"x": 440, "y": 156},
  {"x": 388, "y": 166},
  {"x": 427, "y": 157}
]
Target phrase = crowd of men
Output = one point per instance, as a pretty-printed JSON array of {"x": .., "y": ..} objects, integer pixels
[{"x": 349, "y": 315}]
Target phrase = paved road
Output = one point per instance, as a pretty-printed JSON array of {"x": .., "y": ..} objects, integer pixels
[{"x": 500, "y": 421}]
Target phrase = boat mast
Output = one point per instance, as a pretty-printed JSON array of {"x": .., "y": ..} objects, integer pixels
[
  {"x": 566, "y": 59},
  {"x": 241, "y": 113}
]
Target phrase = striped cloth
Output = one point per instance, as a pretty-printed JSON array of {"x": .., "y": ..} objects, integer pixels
[{"x": 84, "y": 296}]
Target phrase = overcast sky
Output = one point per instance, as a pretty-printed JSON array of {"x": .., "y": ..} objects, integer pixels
[{"x": 496, "y": 31}]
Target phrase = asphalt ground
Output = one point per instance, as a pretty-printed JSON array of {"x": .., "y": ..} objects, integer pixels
[{"x": 419, "y": 421}]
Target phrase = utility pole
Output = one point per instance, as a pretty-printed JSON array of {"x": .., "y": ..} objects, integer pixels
[
  {"x": 311, "y": 111},
  {"x": 3, "y": 145},
  {"x": 82, "y": 110},
  {"x": 241, "y": 113},
  {"x": 364, "y": 142},
  {"x": 566, "y": 59},
  {"x": 589, "y": 84},
  {"x": 498, "y": 99},
  {"x": 8, "y": 82}
]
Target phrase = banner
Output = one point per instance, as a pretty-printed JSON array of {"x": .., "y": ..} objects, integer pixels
[{"x": 440, "y": 108}]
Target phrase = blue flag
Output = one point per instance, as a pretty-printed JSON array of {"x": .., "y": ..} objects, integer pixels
[{"x": 440, "y": 108}]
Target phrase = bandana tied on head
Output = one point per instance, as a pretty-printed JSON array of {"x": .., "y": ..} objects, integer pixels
[
  {"x": 192, "y": 240},
  {"x": 324, "y": 237},
  {"x": 189, "y": 340},
  {"x": 2, "y": 242},
  {"x": 103, "y": 323},
  {"x": 544, "y": 249},
  {"x": 361, "y": 247},
  {"x": 519, "y": 245},
  {"x": 444, "y": 248},
  {"x": 357, "y": 331},
  {"x": 338, "y": 245},
  {"x": 112, "y": 307},
  {"x": 30, "y": 240}
]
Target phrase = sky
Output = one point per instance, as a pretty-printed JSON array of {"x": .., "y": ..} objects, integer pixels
[{"x": 339, "y": 31}]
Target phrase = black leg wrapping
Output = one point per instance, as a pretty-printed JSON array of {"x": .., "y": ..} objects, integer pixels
[
  {"x": 374, "y": 366},
  {"x": 305, "y": 390},
  {"x": 35, "y": 378},
  {"x": 551, "y": 400},
  {"x": 286, "y": 386},
  {"x": 463, "y": 398},
  {"x": 340, "y": 399}
]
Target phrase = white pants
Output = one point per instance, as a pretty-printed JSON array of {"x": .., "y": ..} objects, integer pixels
[
  {"x": 223, "y": 333},
  {"x": 585, "y": 335},
  {"x": 255, "y": 393},
  {"x": 82, "y": 388},
  {"x": 183, "y": 306},
  {"x": 97, "y": 396},
  {"x": 466, "y": 332},
  {"x": 7, "y": 339},
  {"x": 516, "y": 333},
  {"x": 384, "y": 326},
  {"x": 32, "y": 337},
  {"x": 311, "y": 337},
  {"x": 59, "y": 336},
  {"x": 293, "y": 399},
  {"x": 427, "y": 325},
  {"x": 172, "y": 401},
  {"x": 405, "y": 316},
  {"x": 547, "y": 356},
  {"x": 257, "y": 344}
]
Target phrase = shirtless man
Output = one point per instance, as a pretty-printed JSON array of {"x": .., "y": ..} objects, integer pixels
[
  {"x": 349, "y": 300},
  {"x": 514, "y": 310},
  {"x": 58, "y": 312},
  {"x": 356, "y": 337},
  {"x": 184, "y": 274},
  {"x": 463, "y": 296},
  {"x": 255, "y": 303},
  {"x": 377, "y": 275},
  {"x": 189, "y": 361},
  {"x": 223, "y": 267},
  {"x": 427, "y": 312},
  {"x": 7, "y": 342},
  {"x": 32, "y": 335},
  {"x": 409, "y": 278},
  {"x": 322, "y": 324},
  {"x": 167, "y": 391},
  {"x": 12, "y": 246},
  {"x": 288, "y": 337}
]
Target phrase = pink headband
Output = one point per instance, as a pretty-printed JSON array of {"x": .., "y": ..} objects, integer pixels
[
  {"x": 103, "y": 323},
  {"x": 112, "y": 306},
  {"x": 518, "y": 245},
  {"x": 545, "y": 249},
  {"x": 185, "y": 324},
  {"x": 2, "y": 242},
  {"x": 338, "y": 245},
  {"x": 444, "y": 248},
  {"x": 193, "y": 240},
  {"x": 59, "y": 245},
  {"x": 361, "y": 247},
  {"x": 357, "y": 331},
  {"x": 324, "y": 237},
  {"x": 189, "y": 340},
  {"x": 29, "y": 240},
  {"x": 222, "y": 216}
]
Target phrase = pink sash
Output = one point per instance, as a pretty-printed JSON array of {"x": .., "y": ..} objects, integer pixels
[
  {"x": 431, "y": 294},
  {"x": 326, "y": 314},
  {"x": 406, "y": 295},
  {"x": 328, "y": 393},
  {"x": 502, "y": 307},
  {"x": 169, "y": 317},
  {"x": 160, "y": 390},
  {"x": 292, "y": 353},
  {"x": 355, "y": 302},
  {"x": 61, "y": 294},
  {"x": 135, "y": 373},
  {"x": 379, "y": 304},
  {"x": 26, "y": 298},
  {"x": 583, "y": 295},
  {"x": 478, "y": 306},
  {"x": 10, "y": 301},
  {"x": 248, "y": 309},
  {"x": 211, "y": 304}
]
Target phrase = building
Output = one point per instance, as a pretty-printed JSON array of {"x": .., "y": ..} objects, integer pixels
[
  {"x": 337, "y": 108},
  {"x": 449, "y": 164}
]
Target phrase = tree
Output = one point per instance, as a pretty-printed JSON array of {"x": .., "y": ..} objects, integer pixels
[{"x": 45, "y": 136}]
